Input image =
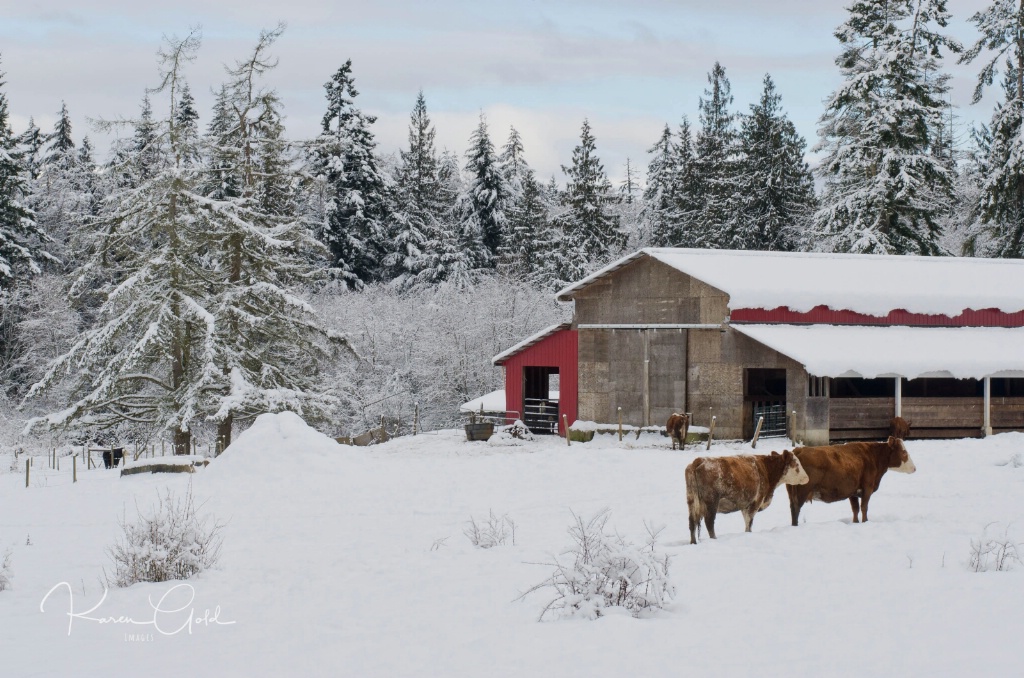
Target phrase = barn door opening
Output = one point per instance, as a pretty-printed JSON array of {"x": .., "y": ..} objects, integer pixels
[
  {"x": 540, "y": 399},
  {"x": 764, "y": 395}
]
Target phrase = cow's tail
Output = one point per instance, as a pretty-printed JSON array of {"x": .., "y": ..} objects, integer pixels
[{"x": 693, "y": 502}]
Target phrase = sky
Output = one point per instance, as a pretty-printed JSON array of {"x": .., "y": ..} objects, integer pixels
[{"x": 627, "y": 67}]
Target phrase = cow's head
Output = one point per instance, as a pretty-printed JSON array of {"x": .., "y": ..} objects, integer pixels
[
  {"x": 793, "y": 472},
  {"x": 899, "y": 460}
]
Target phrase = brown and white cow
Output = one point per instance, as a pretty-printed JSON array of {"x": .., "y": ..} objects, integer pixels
[
  {"x": 745, "y": 483},
  {"x": 678, "y": 426},
  {"x": 899, "y": 428},
  {"x": 852, "y": 471}
]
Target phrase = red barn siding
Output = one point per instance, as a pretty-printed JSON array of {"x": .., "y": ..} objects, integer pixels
[
  {"x": 561, "y": 350},
  {"x": 823, "y": 315}
]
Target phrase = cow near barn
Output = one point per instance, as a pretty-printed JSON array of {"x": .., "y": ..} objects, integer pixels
[
  {"x": 744, "y": 483},
  {"x": 852, "y": 471},
  {"x": 899, "y": 428},
  {"x": 678, "y": 426},
  {"x": 112, "y": 457}
]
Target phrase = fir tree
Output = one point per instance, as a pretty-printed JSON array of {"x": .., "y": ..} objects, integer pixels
[
  {"x": 591, "y": 232},
  {"x": 453, "y": 250},
  {"x": 20, "y": 237},
  {"x": 885, "y": 191},
  {"x": 716, "y": 164},
  {"x": 513, "y": 165},
  {"x": 417, "y": 205},
  {"x": 777, "y": 186},
  {"x": 487, "y": 192},
  {"x": 629, "y": 186},
  {"x": 525, "y": 247},
  {"x": 187, "y": 126},
  {"x": 355, "y": 219},
  {"x": 30, "y": 148},
  {"x": 998, "y": 223},
  {"x": 60, "y": 145},
  {"x": 198, "y": 321},
  {"x": 659, "y": 215}
]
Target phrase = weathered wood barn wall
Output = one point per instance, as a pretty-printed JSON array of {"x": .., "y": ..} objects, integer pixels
[{"x": 654, "y": 341}]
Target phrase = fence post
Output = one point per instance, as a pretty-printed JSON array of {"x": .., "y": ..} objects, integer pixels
[
  {"x": 161, "y": 447},
  {"x": 88, "y": 459},
  {"x": 565, "y": 420},
  {"x": 28, "y": 465},
  {"x": 711, "y": 431},
  {"x": 620, "y": 424},
  {"x": 757, "y": 432},
  {"x": 74, "y": 469},
  {"x": 416, "y": 419}
]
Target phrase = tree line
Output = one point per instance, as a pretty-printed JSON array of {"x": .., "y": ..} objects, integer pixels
[{"x": 186, "y": 259}]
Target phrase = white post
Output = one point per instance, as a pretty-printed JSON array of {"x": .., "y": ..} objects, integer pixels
[
  {"x": 899, "y": 396},
  {"x": 987, "y": 425}
]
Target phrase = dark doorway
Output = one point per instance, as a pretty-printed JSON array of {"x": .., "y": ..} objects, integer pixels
[
  {"x": 764, "y": 395},
  {"x": 540, "y": 399}
]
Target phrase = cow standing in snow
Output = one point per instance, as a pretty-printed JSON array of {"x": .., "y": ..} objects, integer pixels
[
  {"x": 852, "y": 471},
  {"x": 745, "y": 483},
  {"x": 678, "y": 426}
]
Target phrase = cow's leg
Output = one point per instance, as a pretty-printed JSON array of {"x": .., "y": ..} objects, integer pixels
[
  {"x": 748, "y": 518},
  {"x": 864, "y": 506},
  {"x": 693, "y": 528},
  {"x": 709, "y": 518},
  {"x": 855, "y": 504},
  {"x": 794, "y": 505}
]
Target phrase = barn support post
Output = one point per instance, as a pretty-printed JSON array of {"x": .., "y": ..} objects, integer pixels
[
  {"x": 987, "y": 425},
  {"x": 620, "y": 424},
  {"x": 647, "y": 378},
  {"x": 899, "y": 397},
  {"x": 565, "y": 420}
]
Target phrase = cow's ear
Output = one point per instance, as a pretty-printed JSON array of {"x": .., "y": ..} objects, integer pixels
[{"x": 891, "y": 441}]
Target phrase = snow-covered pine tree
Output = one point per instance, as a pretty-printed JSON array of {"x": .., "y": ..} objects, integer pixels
[
  {"x": 659, "y": 214},
  {"x": 60, "y": 147},
  {"x": 269, "y": 342},
  {"x": 354, "y": 223},
  {"x": 717, "y": 167},
  {"x": 188, "y": 125},
  {"x": 591, "y": 231},
  {"x": 30, "y": 148},
  {"x": 885, "y": 190},
  {"x": 777, "y": 185},
  {"x": 513, "y": 165},
  {"x": 998, "y": 227},
  {"x": 487, "y": 192},
  {"x": 20, "y": 236},
  {"x": 416, "y": 202},
  {"x": 57, "y": 200},
  {"x": 454, "y": 250},
  {"x": 528, "y": 228},
  {"x": 198, "y": 321}
]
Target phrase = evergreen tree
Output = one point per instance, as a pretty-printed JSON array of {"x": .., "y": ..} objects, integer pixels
[
  {"x": 513, "y": 165},
  {"x": 20, "y": 237},
  {"x": 60, "y": 145},
  {"x": 453, "y": 250},
  {"x": 528, "y": 228},
  {"x": 591, "y": 232},
  {"x": 629, "y": 186},
  {"x": 998, "y": 226},
  {"x": 885, "y": 190},
  {"x": 487, "y": 192},
  {"x": 198, "y": 320},
  {"x": 187, "y": 126},
  {"x": 659, "y": 215},
  {"x": 716, "y": 166},
  {"x": 30, "y": 145},
  {"x": 418, "y": 205},
  {"x": 777, "y": 186},
  {"x": 355, "y": 220}
]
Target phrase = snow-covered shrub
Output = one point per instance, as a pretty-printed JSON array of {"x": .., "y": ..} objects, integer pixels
[
  {"x": 5, "y": 571},
  {"x": 494, "y": 531},
  {"x": 170, "y": 541},
  {"x": 511, "y": 435},
  {"x": 602, "y": 570},
  {"x": 993, "y": 554}
]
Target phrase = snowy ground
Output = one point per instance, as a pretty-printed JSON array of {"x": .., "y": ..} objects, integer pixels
[{"x": 346, "y": 561}]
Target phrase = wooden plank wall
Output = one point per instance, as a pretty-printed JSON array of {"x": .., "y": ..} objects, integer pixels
[{"x": 868, "y": 418}]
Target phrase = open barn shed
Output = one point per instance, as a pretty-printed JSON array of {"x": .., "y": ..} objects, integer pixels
[
  {"x": 540, "y": 379},
  {"x": 824, "y": 346}
]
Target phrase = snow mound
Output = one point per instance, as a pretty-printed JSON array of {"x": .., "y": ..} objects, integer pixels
[{"x": 274, "y": 440}]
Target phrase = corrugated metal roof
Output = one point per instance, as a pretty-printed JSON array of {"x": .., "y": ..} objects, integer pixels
[{"x": 869, "y": 284}]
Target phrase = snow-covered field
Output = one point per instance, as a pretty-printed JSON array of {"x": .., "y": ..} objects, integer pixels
[{"x": 342, "y": 561}]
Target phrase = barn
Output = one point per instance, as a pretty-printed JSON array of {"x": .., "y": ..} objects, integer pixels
[{"x": 825, "y": 347}]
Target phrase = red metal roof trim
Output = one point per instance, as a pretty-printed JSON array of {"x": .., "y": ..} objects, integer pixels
[{"x": 823, "y": 315}]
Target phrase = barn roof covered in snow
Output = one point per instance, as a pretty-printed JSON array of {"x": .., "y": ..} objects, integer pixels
[
  {"x": 528, "y": 342},
  {"x": 868, "y": 284},
  {"x": 911, "y": 352}
]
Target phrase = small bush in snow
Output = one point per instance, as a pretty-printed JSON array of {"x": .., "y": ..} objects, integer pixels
[
  {"x": 998, "y": 554},
  {"x": 495, "y": 531},
  {"x": 602, "y": 570},
  {"x": 5, "y": 571},
  {"x": 171, "y": 541}
]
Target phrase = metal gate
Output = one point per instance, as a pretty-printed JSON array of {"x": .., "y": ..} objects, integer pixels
[
  {"x": 774, "y": 414},
  {"x": 540, "y": 415}
]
